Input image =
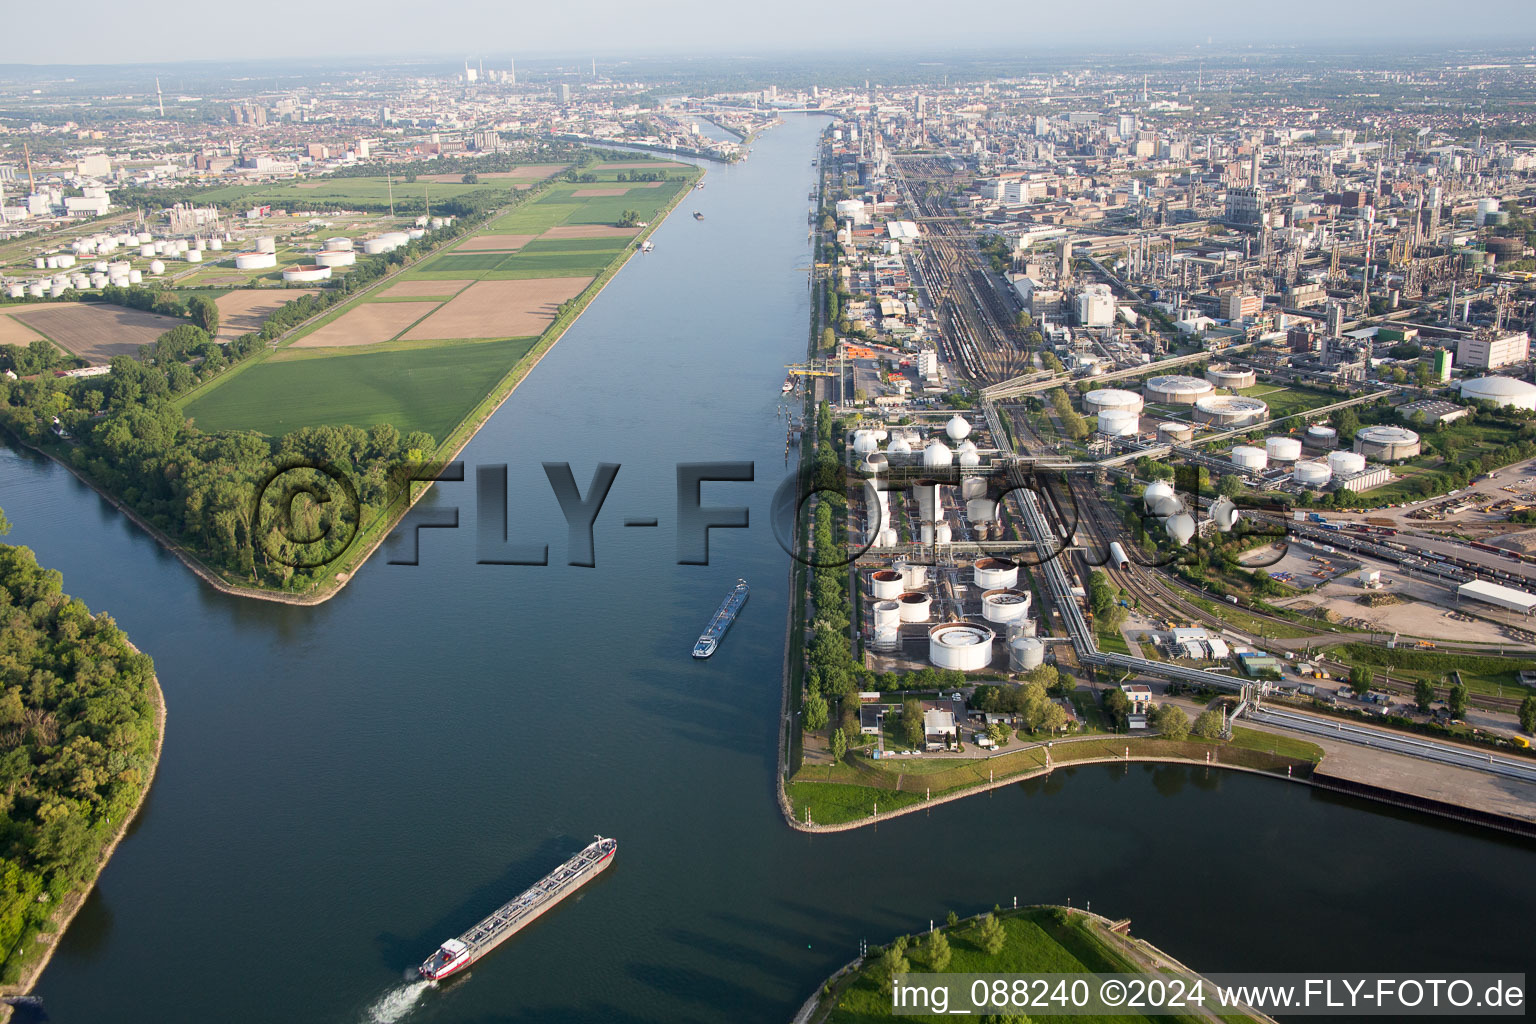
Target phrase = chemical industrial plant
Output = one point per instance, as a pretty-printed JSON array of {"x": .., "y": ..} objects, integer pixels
[{"x": 1095, "y": 434}]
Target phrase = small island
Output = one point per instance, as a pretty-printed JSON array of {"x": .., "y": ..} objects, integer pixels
[
  {"x": 1037, "y": 939},
  {"x": 81, "y": 723}
]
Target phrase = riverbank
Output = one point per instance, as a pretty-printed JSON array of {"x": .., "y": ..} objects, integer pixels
[
  {"x": 370, "y": 537},
  {"x": 70, "y": 905},
  {"x": 1033, "y": 939}
]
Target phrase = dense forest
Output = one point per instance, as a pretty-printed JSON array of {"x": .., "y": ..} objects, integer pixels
[{"x": 77, "y": 745}]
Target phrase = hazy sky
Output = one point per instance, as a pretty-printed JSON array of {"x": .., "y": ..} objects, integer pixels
[{"x": 112, "y": 31}]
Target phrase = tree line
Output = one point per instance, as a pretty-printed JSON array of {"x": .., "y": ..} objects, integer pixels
[{"x": 77, "y": 742}]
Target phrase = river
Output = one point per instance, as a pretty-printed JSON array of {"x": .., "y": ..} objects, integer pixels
[{"x": 345, "y": 786}]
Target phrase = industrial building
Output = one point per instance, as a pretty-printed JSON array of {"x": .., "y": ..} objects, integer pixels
[
  {"x": 1387, "y": 442},
  {"x": 1489, "y": 350},
  {"x": 1499, "y": 596}
]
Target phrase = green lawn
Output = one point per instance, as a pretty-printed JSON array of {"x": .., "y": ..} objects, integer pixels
[
  {"x": 371, "y": 191},
  {"x": 1482, "y": 674},
  {"x": 1037, "y": 940},
  {"x": 426, "y": 388},
  {"x": 1288, "y": 401}
]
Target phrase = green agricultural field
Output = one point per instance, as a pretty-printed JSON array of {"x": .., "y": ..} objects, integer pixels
[
  {"x": 371, "y": 191},
  {"x": 423, "y": 388}
]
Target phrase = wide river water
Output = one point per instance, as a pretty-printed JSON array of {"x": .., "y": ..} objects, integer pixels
[{"x": 345, "y": 786}]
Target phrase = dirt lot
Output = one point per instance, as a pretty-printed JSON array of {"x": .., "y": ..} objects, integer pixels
[
  {"x": 367, "y": 324},
  {"x": 589, "y": 231},
  {"x": 524, "y": 172},
  {"x": 97, "y": 331},
  {"x": 419, "y": 289},
  {"x": 647, "y": 184},
  {"x": 1423, "y": 609},
  {"x": 244, "y": 311},
  {"x": 493, "y": 243},
  {"x": 499, "y": 309},
  {"x": 14, "y": 332},
  {"x": 584, "y": 193}
]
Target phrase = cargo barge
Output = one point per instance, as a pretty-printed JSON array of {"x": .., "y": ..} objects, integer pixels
[
  {"x": 455, "y": 955},
  {"x": 709, "y": 640}
]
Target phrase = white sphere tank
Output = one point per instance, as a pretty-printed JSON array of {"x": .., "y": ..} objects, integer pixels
[
  {"x": 958, "y": 428},
  {"x": 1112, "y": 398},
  {"x": 886, "y": 585},
  {"x": 887, "y": 613},
  {"x": 1115, "y": 422},
  {"x": 1246, "y": 456},
  {"x": 1025, "y": 654},
  {"x": 1157, "y": 489},
  {"x": 864, "y": 442},
  {"x": 937, "y": 455},
  {"x": 969, "y": 460},
  {"x": 1181, "y": 528},
  {"x": 1005, "y": 605},
  {"x": 1164, "y": 505},
  {"x": 962, "y": 646},
  {"x": 899, "y": 446},
  {"x": 915, "y": 606},
  {"x": 156, "y": 267},
  {"x": 1344, "y": 463},
  {"x": 1312, "y": 474},
  {"x": 1224, "y": 513},
  {"x": 1282, "y": 449}
]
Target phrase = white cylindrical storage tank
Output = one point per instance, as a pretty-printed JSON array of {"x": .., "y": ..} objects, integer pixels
[
  {"x": 181, "y": 246},
  {"x": 146, "y": 251},
  {"x": 1230, "y": 410},
  {"x": 886, "y": 585},
  {"x": 1005, "y": 605},
  {"x": 396, "y": 238},
  {"x": 200, "y": 245},
  {"x": 961, "y": 646},
  {"x": 1282, "y": 449},
  {"x": 887, "y": 638},
  {"x": 887, "y": 613},
  {"x": 1248, "y": 457},
  {"x": 417, "y": 233},
  {"x": 156, "y": 267},
  {"x": 927, "y": 494},
  {"x": 1501, "y": 391},
  {"x": 143, "y": 238},
  {"x": 40, "y": 263},
  {"x": 118, "y": 267},
  {"x": 15, "y": 291},
  {"x": 66, "y": 260},
  {"x": 1023, "y": 627},
  {"x": 1176, "y": 389},
  {"x": 1234, "y": 377},
  {"x": 1387, "y": 442},
  {"x": 1312, "y": 474},
  {"x": 915, "y": 606},
  {"x": 1320, "y": 435},
  {"x": 937, "y": 456},
  {"x": 1095, "y": 402},
  {"x": 50, "y": 263},
  {"x": 99, "y": 267},
  {"x": 1119, "y": 422},
  {"x": 98, "y": 280},
  {"x": 339, "y": 244},
  {"x": 980, "y": 510},
  {"x": 36, "y": 289},
  {"x": 925, "y": 533},
  {"x": 914, "y": 574},
  {"x": 875, "y": 463},
  {"x": 266, "y": 243},
  {"x": 995, "y": 573},
  {"x": 194, "y": 256},
  {"x": 958, "y": 428},
  {"x": 1345, "y": 463},
  {"x": 374, "y": 246},
  {"x": 216, "y": 243},
  {"x": 57, "y": 291},
  {"x": 887, "y": 538},
  {"x": 973, "y": 487},
  {"x": 336, "y": 258},
  {"x": 306, "y": 274},
  {"x": 255, "y": 261},
  {"x": 437, "y": 223},
  {"x": 135, "y": 277},
  {"x": 1025, "y": 654},
  {"x": 942, "y": 534}
]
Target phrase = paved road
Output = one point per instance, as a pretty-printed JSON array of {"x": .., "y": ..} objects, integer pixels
[{"x": 1412, "y": 746}]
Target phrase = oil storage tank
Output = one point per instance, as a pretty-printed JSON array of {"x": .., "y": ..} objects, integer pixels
[
  {"x": 1386, "y": 442},
  {"x": 962, "y": 646},
  {"x": 996, "y": 573},
  {"x": 1282, "y": 449},
  {"x": 1176, "y": 389}
]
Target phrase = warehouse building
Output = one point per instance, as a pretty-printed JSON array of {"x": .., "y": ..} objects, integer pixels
[{"x": 1499, "y": 596}]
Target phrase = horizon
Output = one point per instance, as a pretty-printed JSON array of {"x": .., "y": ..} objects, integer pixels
[{"x": 106, "y": 36}]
